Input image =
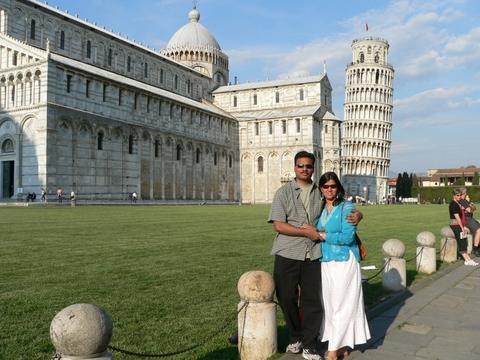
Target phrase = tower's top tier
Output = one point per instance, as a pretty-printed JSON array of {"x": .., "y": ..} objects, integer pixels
[{"x": 370, "y": 50}]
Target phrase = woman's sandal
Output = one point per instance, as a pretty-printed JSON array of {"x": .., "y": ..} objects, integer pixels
[{"x": 343, "y": 353}]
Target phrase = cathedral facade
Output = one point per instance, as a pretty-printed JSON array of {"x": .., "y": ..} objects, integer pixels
[
  {"x": 84, "y": 109},
  {"x": 87, "y": 110},
  {"x": 276, "y": 120}
]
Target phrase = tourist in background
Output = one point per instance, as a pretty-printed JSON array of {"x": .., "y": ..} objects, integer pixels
[
  {"x": 59, "y": 195},
  {"x": 472, "y": 223},
  {"x": 345, "y": 323},
  {"x": 73, "y": 198},
  {"x": 458, "y": 224}
]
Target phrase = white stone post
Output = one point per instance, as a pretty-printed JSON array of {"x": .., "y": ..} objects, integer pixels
[
  {"x": 395, "y": 271},
  {"x": 426, "y": 253},
  {"x": 448, "y": 245},
  {"x": 257, "y": 319},
  {"x": 469, "y": 243},
  {"x": 82, "y": 331}
]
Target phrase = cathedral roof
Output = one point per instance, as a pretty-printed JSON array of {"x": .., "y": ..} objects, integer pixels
[
  {"x": 329, "y": 116},
  {"x": 270, "y": 83},
  {"x": 193, "y": 36},
  {"x": 126, "y": 81},
  {"x": 263, "y": 114}
]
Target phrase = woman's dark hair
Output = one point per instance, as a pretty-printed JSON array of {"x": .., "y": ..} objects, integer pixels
[{"x": 330, "y": 175}]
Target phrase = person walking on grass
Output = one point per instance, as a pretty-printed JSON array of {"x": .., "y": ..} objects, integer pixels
[{"x": 295, "y": 210}]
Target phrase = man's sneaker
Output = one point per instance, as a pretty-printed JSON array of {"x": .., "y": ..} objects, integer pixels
[
  {"x": 311, "y": 354},
  {"x": 294, "y": 348}
]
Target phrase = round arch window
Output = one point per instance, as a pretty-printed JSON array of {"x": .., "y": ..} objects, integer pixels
[{"x": 7, "y": 146}]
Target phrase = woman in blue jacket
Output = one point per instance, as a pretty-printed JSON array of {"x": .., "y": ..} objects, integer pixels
[{"x": 345, "y": 324}]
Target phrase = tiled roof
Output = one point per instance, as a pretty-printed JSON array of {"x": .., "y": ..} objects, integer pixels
[
  {"x": 206, "y": 106},
  {"x": 267, "y": 84},
  {"x": 254, "y": 115},
  {"x": 464, "y": 171}
]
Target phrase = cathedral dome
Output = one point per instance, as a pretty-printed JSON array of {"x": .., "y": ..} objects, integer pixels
[{"x": 193, "y": 36}]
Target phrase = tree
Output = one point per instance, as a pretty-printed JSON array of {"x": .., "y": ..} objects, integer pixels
[
  {"x": 460, "y": 180},
  {"x": 476, "y": 178},
  {"x": 415, "y": 186},
  {"x": 399, "y": 187},
  {"x": 407, "y": 187}
]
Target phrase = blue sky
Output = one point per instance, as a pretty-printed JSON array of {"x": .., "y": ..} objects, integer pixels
[{"x": 434, "y": 48}]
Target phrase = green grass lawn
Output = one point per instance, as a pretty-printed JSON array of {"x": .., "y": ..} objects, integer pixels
[{"x": 166, "y": 275}]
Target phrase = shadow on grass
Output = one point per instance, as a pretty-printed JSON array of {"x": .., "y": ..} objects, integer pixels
[
  {"x": 282, "y": 338},
  {"x": 231, "y": 352},
  {"x": 228, "y": 353},
  {"x": 411, "y": 276}
]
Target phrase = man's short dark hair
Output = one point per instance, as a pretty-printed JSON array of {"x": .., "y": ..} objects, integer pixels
[{"x": 304, "y": 154}]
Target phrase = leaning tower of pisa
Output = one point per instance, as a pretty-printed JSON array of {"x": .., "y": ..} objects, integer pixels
[{"x": 367, "y": 126}]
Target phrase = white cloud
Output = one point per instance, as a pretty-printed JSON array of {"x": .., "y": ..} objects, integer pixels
[
  {"x": 423, "y": 45},
  {"x": 462, "y": 103},
  {"x": 429, "y": 97},
  {"x": 437, "y": 107}
]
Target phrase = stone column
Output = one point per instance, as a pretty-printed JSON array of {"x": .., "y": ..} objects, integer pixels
[
  {"x": 82, "y": 331},
  {"x": 426, "y": 253},
  {"x": 395, "y": 271},
  {"x": 469, "y": 243},
  {"x": 257, "y": 320},
  {"x": 448, "y": 245}
]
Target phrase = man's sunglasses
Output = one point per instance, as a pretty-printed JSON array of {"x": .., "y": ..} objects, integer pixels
[{"x": 308, "y": 166}]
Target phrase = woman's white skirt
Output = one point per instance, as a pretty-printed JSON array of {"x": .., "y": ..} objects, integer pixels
[{"x": 345, "y": 323}]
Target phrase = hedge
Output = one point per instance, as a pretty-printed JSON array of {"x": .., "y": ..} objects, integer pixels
[{"x": 436, "y": 194}]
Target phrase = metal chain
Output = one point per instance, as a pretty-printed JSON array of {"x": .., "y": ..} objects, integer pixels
[
  {"x": 240, "y": 348},
  {"x": 178, "y": 352},
  {"x": 379, "y": 271},
  {"x": 407, "y": 260},
  {"x": 443, "y": 247},
  {"x": 420, "y": 252}
]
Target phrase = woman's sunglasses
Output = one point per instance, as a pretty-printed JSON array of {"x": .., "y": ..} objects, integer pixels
[{"x": 334, "y": 186}]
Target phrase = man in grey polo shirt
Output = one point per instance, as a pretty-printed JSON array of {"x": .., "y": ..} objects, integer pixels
[{"x": 295, "y": 209}]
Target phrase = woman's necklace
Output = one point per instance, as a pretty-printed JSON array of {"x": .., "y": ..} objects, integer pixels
[{"x": 329, "y": 207}]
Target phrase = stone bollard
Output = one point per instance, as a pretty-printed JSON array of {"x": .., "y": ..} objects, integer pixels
[
  {"x": 448, "y": 245},
  {"x": 82, "y": 331},
  {"x": 257, "y": 319},
  {"x": 426, "y": 253},
  {"x": 395, "y": 272},
  {"x": 469, "y": 243}
]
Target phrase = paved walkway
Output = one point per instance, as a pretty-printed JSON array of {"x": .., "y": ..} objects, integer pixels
[{"x": 439, "y": 321}]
